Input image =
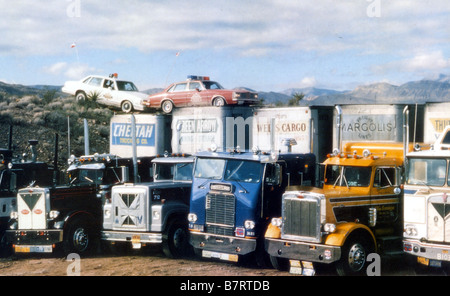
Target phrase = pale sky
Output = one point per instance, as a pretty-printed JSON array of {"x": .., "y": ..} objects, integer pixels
[{"x": 266, "y": 45}]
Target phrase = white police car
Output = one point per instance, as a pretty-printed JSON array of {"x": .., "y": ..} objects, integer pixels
[{"x": 108, "y": 91}]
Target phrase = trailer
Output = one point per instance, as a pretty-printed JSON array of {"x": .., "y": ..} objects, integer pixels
[{"x": 153, "y": 135}]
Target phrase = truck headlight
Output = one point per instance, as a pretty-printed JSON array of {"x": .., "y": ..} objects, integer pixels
[
  {"x": 107, "y": 214},
  {"x": 249, "y": 224},
  {"x": 192, "y": 217},
  {"x": 14, "y": 215},
  {"x": 411, "y": 230},
  {"x": 329, "y": 227},
  {"x": 53, "y": 214},
  {"x": 277, "y": 222}
]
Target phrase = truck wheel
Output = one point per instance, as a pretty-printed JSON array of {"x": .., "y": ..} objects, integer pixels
[
  {"x": 167, "y": 106},
  {"x": 126, "y": 106},
  {"x": 175, "y": 240},
  {"x": 279, "y": 263},
  {"x": 354, "y": 255},
  {"x": 78, "y": 238}
]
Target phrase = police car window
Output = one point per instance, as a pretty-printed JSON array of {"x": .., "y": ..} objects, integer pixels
[
  {"x": 212, "y": 85},
  {"x": 108, "y": 84},
  {"x": 126, "y": 86},
  {"x": 180, "y": 87},
  {"x": 95, "y": 81},
  {"x": 194, "y": 85}
]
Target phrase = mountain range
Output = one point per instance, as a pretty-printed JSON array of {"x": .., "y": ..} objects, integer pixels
[{"x": 414, "y": 92}]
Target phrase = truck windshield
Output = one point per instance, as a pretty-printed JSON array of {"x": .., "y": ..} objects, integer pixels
[
  {"x": 86, "y": 176},
  {"x": 423, "y": 171},
  {"x": 350, "y": 176},
  {"x": 243, "y": 171},
  {"x": 175, "y": 172},
  {"x": 209, "y": 168}
]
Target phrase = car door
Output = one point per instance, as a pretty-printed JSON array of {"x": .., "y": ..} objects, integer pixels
[
  {"x": 194, "y": 94},
  {"x": 179, "y": 94},
  {"x": 108, "y": 93}
]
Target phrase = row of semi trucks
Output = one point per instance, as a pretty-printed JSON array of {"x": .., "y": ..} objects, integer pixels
[{"x": 278, "y": 208}]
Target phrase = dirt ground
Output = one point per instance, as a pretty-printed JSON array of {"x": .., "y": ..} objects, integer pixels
[{"x": 146, "y": 263}]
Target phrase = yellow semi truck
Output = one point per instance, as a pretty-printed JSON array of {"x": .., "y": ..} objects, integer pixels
[{"x": 356, "y": 212}]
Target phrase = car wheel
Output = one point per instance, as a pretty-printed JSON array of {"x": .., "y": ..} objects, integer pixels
[
  {"x": 126, "y": 106},
  {"x": 167, "y": 106},
  {"x": 219, "y": 102},
  {"x": 80, "y": 96}
]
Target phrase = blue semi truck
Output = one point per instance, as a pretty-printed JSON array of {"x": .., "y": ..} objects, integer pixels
[{"x": 235, "y": 193}]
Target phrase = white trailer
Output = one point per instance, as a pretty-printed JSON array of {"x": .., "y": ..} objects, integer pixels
[{"x": 152, "y": 135}]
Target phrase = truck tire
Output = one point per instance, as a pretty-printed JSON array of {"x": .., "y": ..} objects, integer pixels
[
  {"x": 78, "y": 238},
  {"x": 354, "y": 254},
  {"x": 279, "y": 263},
  {"x": 175, "y": 240}
]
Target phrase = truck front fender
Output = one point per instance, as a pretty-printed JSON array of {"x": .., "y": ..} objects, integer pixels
[
  {"x": 273, "y": 231},
  {"x": 343, "y": 230}
]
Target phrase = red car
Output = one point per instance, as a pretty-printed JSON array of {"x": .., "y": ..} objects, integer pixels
[{"x": 198, "y": 91}]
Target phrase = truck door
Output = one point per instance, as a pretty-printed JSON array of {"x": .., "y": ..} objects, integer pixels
[
  {"x": 383, "y": 198},
  {"x": 274, "y": 179}
]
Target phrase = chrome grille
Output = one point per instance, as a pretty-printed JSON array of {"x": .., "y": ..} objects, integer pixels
[
  {"x": 220, "y": 213},
  {"x": 301, "y": 218}
]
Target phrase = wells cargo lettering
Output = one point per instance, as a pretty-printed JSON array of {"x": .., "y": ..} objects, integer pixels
[
  {"x": 364, "y": 127},
  {"x": 197, "y": 125},
  {"x": 121, "y": 134},
  {"x": 282, "y": 127}
]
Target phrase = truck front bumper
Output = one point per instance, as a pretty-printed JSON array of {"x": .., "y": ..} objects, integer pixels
[
  {"x": 132, "y": 237},
  {"x": 221, "y": 246},
  {"x": 302, "y": 250},
  {"x": 428, "y": 253},
  {"x": 34, "y": 241}
]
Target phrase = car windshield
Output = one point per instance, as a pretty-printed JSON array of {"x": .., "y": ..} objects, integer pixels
[
  {"x": 212, "y": 85},
  {"x": 423, "y": 171},
  {"x": 349, "y": 176},
  {"x": 126, "y": 86}
]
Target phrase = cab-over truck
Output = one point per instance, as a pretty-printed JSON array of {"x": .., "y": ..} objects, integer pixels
[
  {"x": 234, "y": 193},
  {"x": 426, "y": 204}
]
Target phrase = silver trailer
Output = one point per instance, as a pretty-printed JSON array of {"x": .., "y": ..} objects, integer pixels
[
  {"x": 198, "y": 129},
  {"x": 375, "y": 123}
]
